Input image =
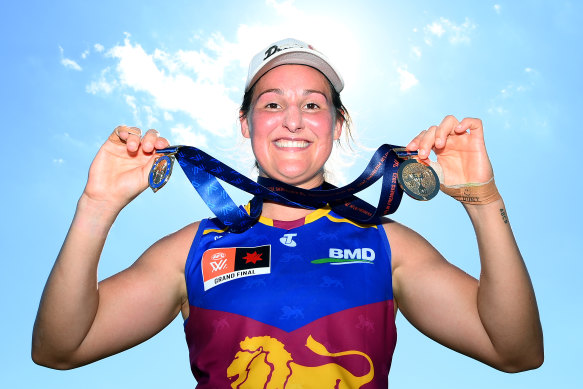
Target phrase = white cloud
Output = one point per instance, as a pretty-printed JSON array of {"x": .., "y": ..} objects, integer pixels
[
  {"x": 185, "y": 135},
  {"x": 455, "y": 33},
  {"x": 212, "y": 62},
  {"x": 69, "y": 141},
  {"x": 67, "y": 62},
  {"x": 532, "y": 76},
  {"x": 131, "y": 101},
  {"x": 70, "y": 64},
  {"x": 284, "y": 7},
  {"x": 407, "y": 80},
  {"x": 151, "y": 118},
  {"x": 416, "y": 51},
  {"x": 436, "y": 28},
  {"x": 98, "y": 47},
  {"x": 164, "y": 77},
  {"x": 104, "y": 84},
  {"x": 461, "y": 33},
  {"x": 525, "y": 85},
  {"x": 206, "y": 83},
  {"x": 497, "y": 8},
  {"x": 498, "y": 110},
  {"x": 518, "y": 105},
  {"x": 139, "y": 111}
]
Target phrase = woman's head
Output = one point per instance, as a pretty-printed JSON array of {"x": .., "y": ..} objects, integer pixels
[{"x": 292, "y": 112}]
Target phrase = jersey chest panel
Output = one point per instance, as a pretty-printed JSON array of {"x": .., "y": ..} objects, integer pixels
[{"x": 287, "y": 278}]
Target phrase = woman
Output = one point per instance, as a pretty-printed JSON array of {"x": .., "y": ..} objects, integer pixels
[{"x": 270, "y": 305}]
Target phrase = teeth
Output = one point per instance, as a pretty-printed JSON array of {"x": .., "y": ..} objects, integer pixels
[{"x": 292, "y": 143}]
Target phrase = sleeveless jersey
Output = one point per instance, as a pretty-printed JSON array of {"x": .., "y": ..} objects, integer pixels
[{"x": 310, "y": 307}]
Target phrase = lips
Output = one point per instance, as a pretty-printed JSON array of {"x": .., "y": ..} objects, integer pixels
[{"x": 296, "y": 144}]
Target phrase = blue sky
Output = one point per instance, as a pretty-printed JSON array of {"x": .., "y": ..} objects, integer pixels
[{"x": 71, "y": 71}]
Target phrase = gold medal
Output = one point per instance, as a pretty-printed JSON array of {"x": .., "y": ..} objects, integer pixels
[{"x": 418, "y": 180}]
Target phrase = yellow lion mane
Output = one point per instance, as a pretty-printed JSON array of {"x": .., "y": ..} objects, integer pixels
[{"x": 264, "y": 360}]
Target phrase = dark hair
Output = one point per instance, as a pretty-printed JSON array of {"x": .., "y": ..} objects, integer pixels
[{"x": 341, "y": 110}]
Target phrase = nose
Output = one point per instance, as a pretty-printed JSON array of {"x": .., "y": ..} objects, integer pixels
[{"x": 293, "y": 119}]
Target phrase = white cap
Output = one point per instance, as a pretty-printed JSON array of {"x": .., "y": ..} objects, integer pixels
[{"x": 291, "y": 52}]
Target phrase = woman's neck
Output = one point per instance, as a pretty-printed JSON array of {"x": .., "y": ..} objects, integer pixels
[
  {"x": 276, "y": 211},
  {"x": 282, "y": 212}
]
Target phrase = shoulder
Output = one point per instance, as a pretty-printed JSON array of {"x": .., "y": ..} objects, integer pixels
[
  {"x": 183, "y": 236},
  {"x": 172, "y": 250},
  {"x": 407, "y": 246},
  {"x": 418, "y": 269}
]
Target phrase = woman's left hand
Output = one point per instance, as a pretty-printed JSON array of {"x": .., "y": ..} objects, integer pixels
[{"x": 460, "y": 150}]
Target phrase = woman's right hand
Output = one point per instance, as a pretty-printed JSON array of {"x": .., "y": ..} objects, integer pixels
[
  {"x": 77, "y": 311},
  {"x": 120, "y": 169}
]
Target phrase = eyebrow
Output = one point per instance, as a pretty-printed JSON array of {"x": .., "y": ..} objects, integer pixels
[
  {"x": 272, "y": 90},
  {"x": 278, "y": 91},
  {"x": 310, "y": 91}
]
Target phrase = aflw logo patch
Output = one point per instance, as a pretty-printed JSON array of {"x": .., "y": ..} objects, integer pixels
[{"x": 229, "y": 263}]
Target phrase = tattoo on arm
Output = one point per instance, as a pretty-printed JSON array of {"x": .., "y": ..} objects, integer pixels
[{"x": 503, "y": 214}]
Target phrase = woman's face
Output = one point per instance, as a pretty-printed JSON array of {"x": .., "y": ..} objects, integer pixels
[{"x": 292, "y": 124}]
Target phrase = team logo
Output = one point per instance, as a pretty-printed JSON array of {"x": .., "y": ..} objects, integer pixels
[
  {"x": 287, "y": 239},
  {"x": 230, "y": 263},
  {"x": 263, "y": 362},
  {"x": 276, "y": 49},
  {"x": 218, "y": 261},
  {"x": 347, "y": 256}
]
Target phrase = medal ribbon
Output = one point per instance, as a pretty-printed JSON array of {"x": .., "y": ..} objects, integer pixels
[{"x": 203, "y": 170}]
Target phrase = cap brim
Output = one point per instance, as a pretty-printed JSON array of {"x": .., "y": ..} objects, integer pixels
[{"x": 300, "y": 57}]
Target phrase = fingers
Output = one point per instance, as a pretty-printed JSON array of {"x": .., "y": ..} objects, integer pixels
[
  {"x": 421, "y": 141},
  {"x": 436, "y": 137},
  {"x": 469, "y": 124},
  {"x": 132, "y": 137},
  {"x": 446, "y": 128},
  {"x": 149, "y": 141}
]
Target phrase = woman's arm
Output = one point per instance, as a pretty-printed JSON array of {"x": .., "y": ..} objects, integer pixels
[
  {"x": 79, "y": 320},
  {"x": 495, "y": 319}
]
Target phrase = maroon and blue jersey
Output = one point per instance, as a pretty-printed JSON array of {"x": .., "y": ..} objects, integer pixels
[{"x": 310, "y": 307}]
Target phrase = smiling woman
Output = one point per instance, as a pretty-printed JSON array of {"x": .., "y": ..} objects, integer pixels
[
  {"x": 283, "y": 302},
  {"x": 292, "y": 124}
]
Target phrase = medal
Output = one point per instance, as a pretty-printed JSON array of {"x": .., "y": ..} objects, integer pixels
[
  {"x": 160, "y": 172},
  {"x": 419, "y": 181}
]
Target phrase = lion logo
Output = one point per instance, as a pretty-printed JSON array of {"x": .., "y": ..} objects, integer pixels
[{"x": 263, "y": 362}]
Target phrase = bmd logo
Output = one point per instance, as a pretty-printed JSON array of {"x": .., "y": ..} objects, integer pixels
[
  {"x": 346, "y": 256},
  {"x": 367, "y": 254}
]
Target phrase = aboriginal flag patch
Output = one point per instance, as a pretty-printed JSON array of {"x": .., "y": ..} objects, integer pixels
[{"x": 229, "y": 263}]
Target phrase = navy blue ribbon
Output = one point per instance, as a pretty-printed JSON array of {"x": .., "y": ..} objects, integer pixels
[{"x": 203, "y": 170}]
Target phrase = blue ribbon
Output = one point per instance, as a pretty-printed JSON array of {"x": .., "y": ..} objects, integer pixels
[{"x": 203, "y": 170}]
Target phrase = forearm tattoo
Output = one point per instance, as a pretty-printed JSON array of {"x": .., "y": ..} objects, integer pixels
[{"x": 504, "y": 216}]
